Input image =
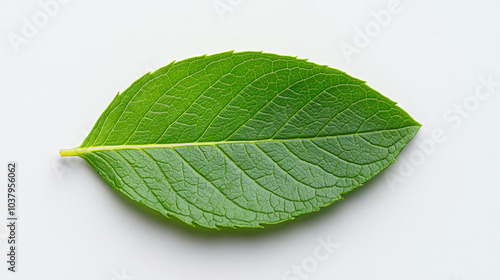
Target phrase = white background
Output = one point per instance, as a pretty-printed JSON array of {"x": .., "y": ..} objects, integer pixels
[{"x": 434, "y": 214}]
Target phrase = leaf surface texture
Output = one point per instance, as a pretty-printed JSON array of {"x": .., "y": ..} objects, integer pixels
[{"x": 244, "y": 139}]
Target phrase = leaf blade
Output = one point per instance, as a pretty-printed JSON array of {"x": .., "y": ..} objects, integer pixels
[{"x": 244, "y": 139}]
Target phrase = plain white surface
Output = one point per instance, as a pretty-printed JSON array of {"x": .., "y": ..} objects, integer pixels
[{"x": 432, "y": 216}]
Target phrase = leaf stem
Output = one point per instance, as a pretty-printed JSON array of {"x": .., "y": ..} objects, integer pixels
[{"x": 69, "y": 152}]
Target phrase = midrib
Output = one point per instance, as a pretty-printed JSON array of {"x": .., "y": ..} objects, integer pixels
[{"x": 84, "y": 150}]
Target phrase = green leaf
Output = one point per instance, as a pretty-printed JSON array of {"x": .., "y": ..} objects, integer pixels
[{"x": 244, "y": 139}]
